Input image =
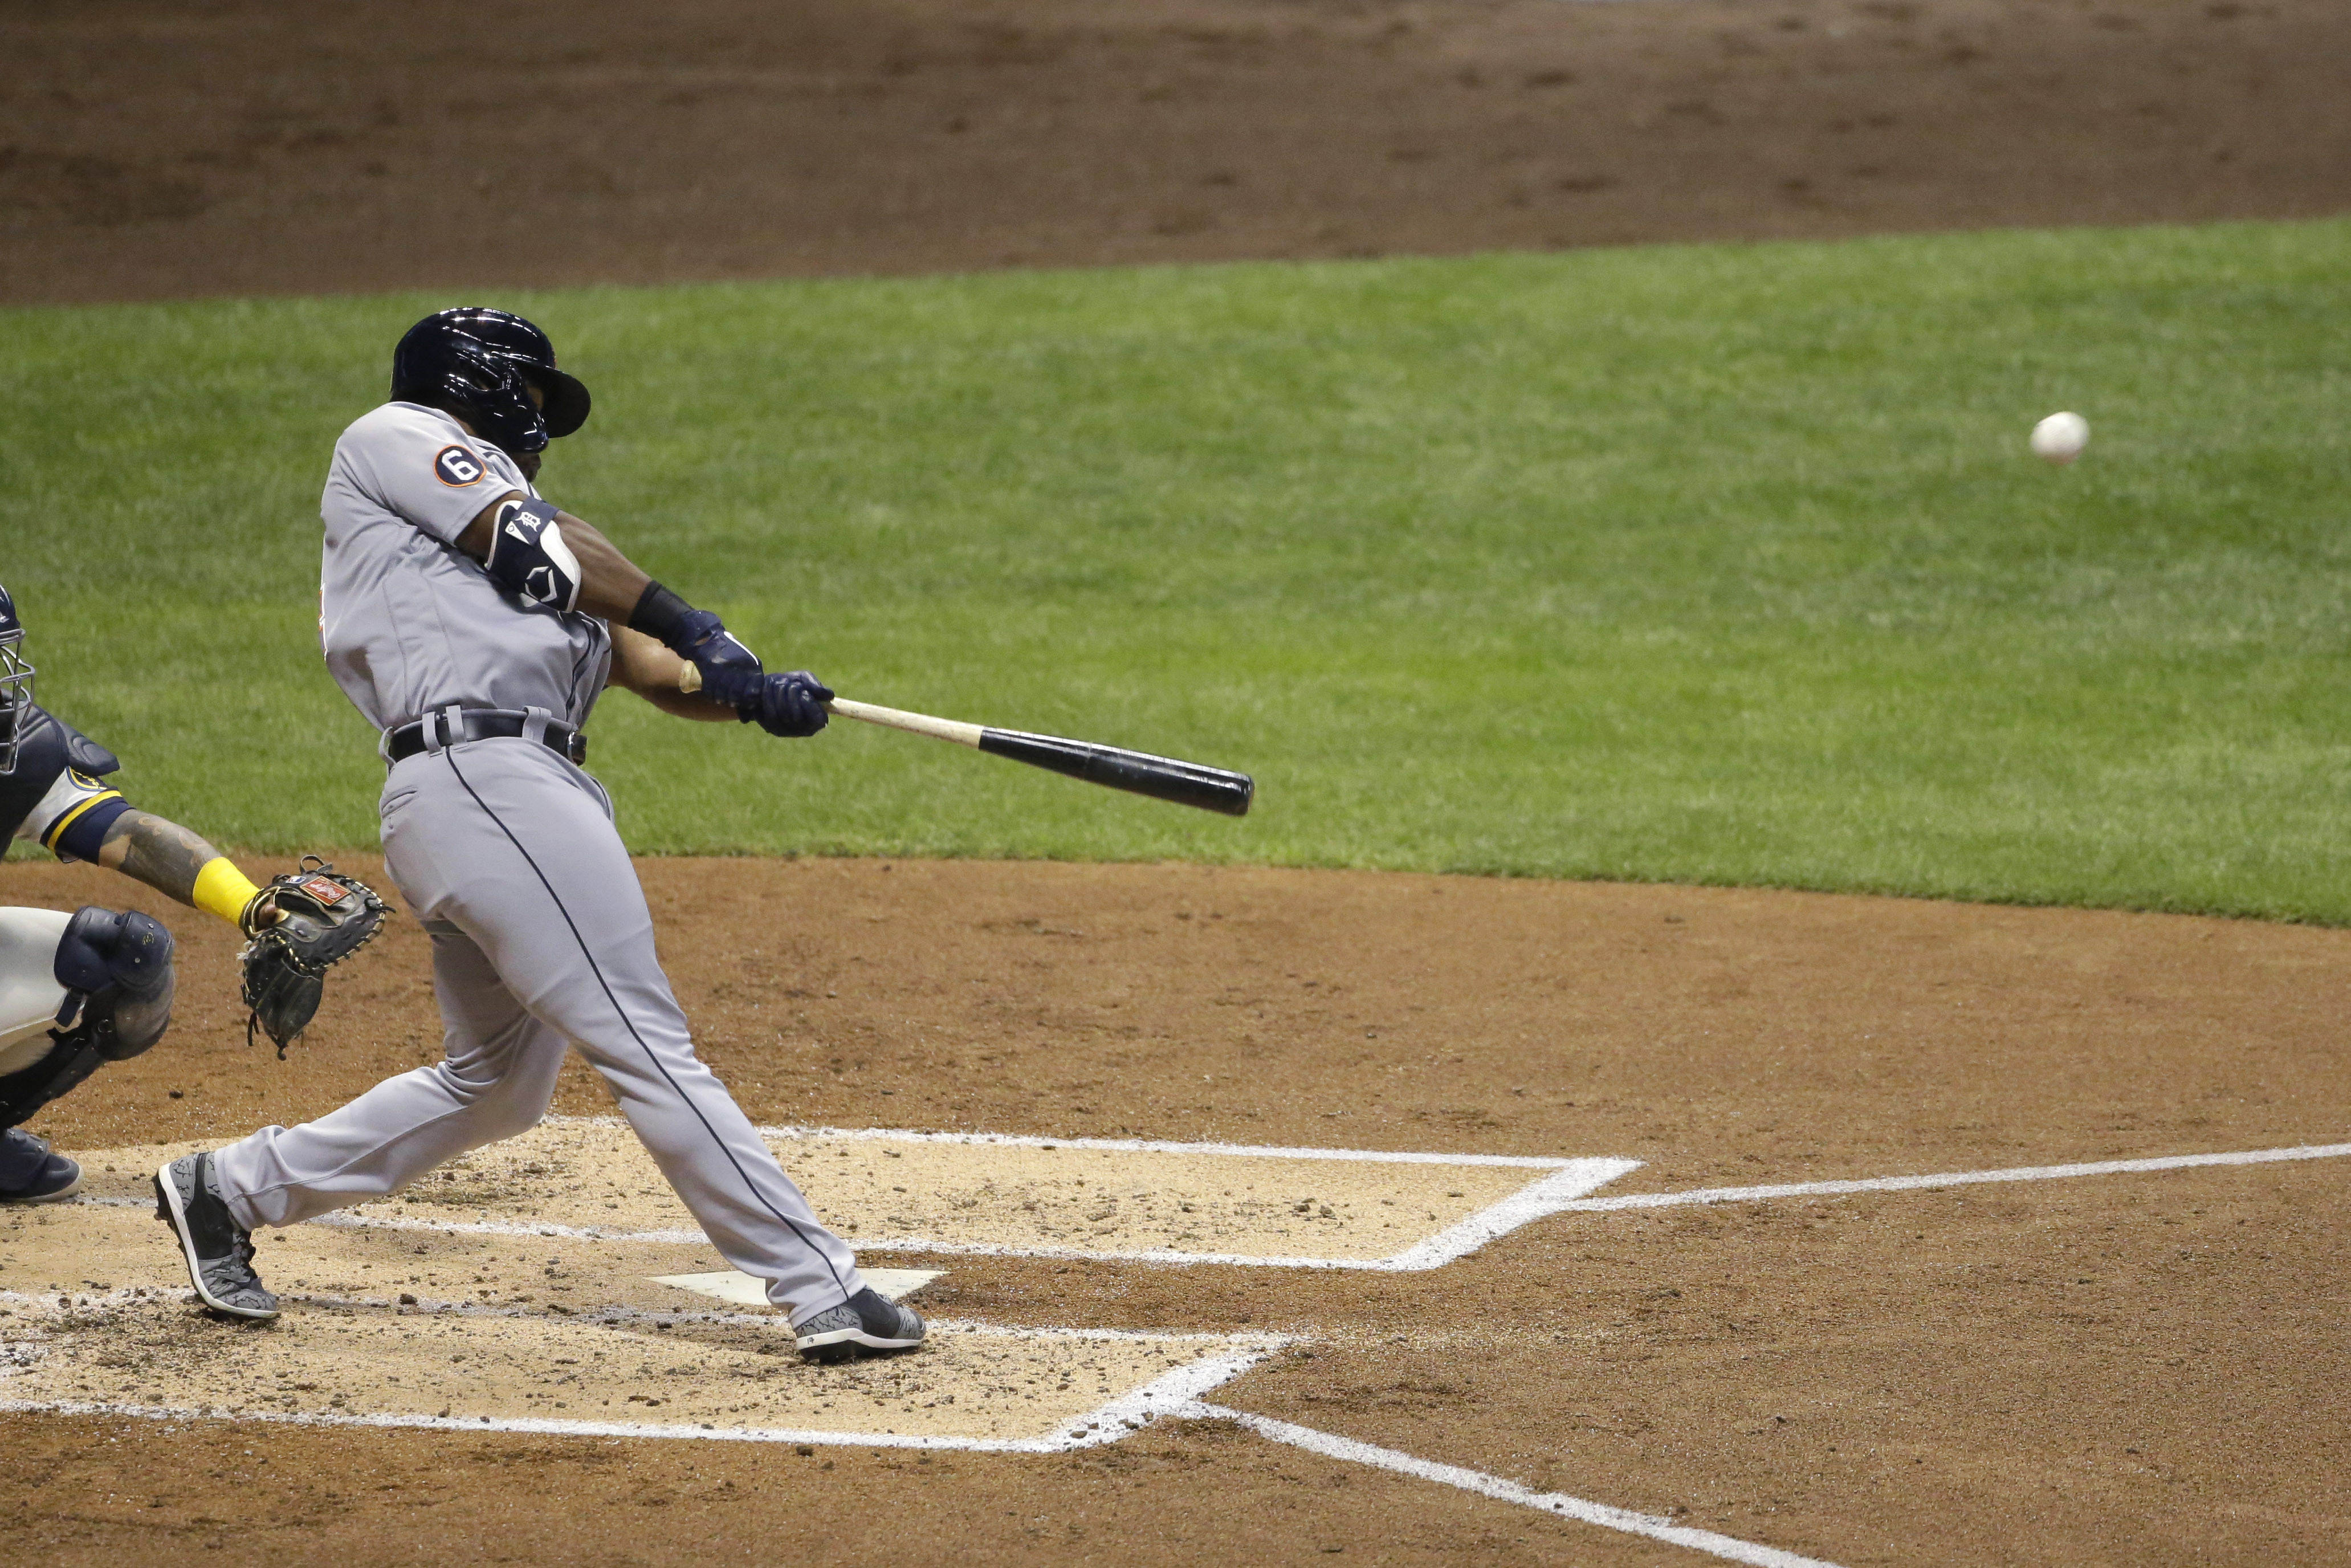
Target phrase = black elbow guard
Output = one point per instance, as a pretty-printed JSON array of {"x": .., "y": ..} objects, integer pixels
[{"x": 528, "y": 558}]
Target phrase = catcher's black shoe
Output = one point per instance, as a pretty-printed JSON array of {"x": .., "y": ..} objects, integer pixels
[
  {"x": 31, "y": 1173},
  {"x": 868, "y": 1321},
  {"x": 218, "y": 1250}
]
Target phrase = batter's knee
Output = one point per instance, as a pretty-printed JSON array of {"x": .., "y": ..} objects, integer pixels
[{"x": 501, "y": 1107}]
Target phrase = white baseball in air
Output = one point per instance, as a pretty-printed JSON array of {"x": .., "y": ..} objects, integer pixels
[{"x": 2061, "y": 438}]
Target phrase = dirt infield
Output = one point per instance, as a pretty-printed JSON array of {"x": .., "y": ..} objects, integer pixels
[
  {"x": 2111, "y": 1366},
  {"x": 2136, "y": 1367},
  {"x": 150, "y": 150}
]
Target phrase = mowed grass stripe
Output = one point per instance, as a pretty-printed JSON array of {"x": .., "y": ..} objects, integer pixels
[{"x": 1719, "y": 564}]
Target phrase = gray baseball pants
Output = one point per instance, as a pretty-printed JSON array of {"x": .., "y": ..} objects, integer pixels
[{"x": 540, "y": 935}]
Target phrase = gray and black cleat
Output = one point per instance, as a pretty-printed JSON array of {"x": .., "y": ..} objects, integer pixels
[
  {"x": 218, "y": 1250},
  {"x": 868, "y": 1321},
  {"x": 30, "y": 1173}
]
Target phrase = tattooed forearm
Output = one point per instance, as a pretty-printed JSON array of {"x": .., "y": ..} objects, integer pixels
[{"x": 156, "y": 851}]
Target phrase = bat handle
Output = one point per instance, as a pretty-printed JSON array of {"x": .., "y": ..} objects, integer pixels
[{"x": 689, "y": 681}]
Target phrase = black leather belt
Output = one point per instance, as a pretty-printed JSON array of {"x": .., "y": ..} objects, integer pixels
[{"x": 483, "y": 724}]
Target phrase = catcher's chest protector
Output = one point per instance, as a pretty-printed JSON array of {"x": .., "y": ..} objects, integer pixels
[{"x": 47, "y": 746}]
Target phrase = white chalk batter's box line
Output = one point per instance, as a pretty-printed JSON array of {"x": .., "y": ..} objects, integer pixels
[
  {"x": 1568, "y": 1179},
  {"x": 1537, "y": 1200},
  {"x": 1173, "y": 1392},
  {"x": 1131, "y": 1145}
]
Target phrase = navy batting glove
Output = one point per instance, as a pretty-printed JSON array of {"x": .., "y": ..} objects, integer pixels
[
  {"x": 790, "y": 705},
  {"x": 730, "y": 671}
]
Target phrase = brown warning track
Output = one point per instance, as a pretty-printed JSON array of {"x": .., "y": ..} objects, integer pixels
[
  {"x": 153, "y": 150},
  {"x": 2135, "y": 1369}
]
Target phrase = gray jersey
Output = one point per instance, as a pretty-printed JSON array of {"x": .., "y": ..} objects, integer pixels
[{"x": 410, "y": 624}]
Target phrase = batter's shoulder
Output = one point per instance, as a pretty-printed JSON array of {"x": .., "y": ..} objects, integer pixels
[
  {"x": 412, "y": 458},
  {"x": 417, "y": 465},
  {"x": 400, "y": 423}
]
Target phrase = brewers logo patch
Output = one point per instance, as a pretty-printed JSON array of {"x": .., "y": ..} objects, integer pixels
[{"x": 456, "y": 467}]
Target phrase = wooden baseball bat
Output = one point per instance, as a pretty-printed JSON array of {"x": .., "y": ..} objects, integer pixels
[{"x": 1161, "y": 778}]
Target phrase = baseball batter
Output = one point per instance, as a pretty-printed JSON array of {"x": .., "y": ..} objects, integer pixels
[
  {"x": 80, "y": 990},
  {"x": 474, "y": 625}
]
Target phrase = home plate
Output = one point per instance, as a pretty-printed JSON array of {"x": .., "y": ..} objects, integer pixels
[{"x": 743, "y": 1291}]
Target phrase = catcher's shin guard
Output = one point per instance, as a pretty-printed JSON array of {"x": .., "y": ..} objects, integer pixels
[
  {"x": 56, "y": 1075},
  {"x": 106, "y": 996},
  {"x": 118, "y": 968}
]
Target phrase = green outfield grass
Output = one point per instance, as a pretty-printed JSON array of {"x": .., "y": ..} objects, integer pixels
[{"x": 1721, "y": 564}]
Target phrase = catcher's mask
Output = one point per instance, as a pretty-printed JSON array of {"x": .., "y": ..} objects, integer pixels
[
  {"x": 16, "y": 683},
  {"x": 481, "y": 364}
]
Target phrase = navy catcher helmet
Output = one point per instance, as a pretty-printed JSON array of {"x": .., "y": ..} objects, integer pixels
[
  {"x": 16, "y": 683},
  {"x": 480, "y": 364}
]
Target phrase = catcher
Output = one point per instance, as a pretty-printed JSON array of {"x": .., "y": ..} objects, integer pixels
[{"x": 80, "y": 990}]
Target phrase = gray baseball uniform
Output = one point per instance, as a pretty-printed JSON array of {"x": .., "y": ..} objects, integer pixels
[{"x": 506, "y": 850}]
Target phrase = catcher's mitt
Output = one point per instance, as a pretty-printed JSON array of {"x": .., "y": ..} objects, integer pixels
[{"x": 298, "y": 927}]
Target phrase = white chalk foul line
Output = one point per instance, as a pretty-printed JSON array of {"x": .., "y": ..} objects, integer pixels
[
  {"x": 1951, "y": 1179},
  {"x": 1559, "y": 1504}
]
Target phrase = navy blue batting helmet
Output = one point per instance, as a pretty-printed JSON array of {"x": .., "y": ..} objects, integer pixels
[{"x": 480, "y": 364}]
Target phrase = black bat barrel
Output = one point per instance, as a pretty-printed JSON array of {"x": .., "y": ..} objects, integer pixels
[{"x": 1161, "y": 778}]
